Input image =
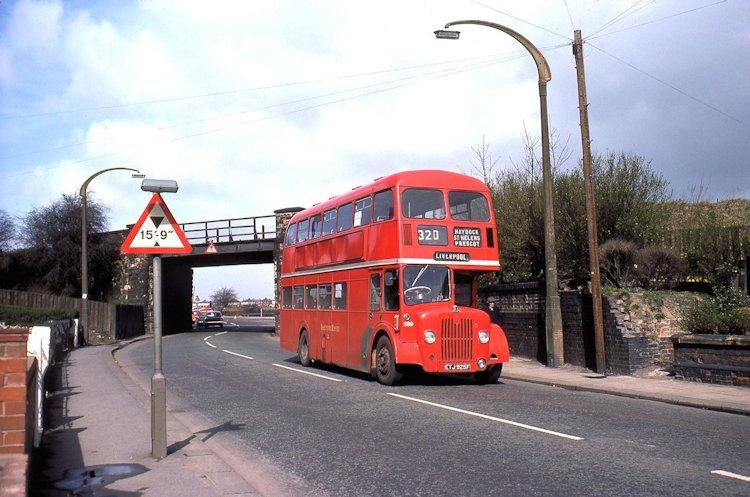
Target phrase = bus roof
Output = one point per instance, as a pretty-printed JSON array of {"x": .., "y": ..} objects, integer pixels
[{"x": 425, "y": 178}]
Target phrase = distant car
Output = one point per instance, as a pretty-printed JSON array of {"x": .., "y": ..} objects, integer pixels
[{"x": 208, "y": 319}]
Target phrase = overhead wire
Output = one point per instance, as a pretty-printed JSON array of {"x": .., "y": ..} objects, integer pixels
[
  {"x": 294, "y": 111},
  {"x": 522, "y": 20},
  {"x": 673, "y": 87},
  {"x": 656, "y": 20},
  {"x": 236, "y": 91},
  {"x": 247, "y": 111},
  {"x": 622, "y": 15},
  {"x": 567, "y": 8}
]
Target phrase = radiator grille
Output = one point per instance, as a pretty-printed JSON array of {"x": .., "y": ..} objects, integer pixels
[{"x": 455, "y": 339}]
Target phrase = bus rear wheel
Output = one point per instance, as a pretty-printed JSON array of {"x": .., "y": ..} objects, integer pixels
[
  {"x": 303, "y": 349},
  {"x": 385, "y": 363},
  {"x": 489, "y": 375}
]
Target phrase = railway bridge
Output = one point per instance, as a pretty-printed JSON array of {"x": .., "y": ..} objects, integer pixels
[{"x": 223, "y": 242}]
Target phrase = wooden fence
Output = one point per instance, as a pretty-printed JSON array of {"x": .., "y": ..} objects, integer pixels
[{"x": 106, "y": 322}]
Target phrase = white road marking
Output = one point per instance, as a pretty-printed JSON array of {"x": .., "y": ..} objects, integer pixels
[
  {"x": 492, "y": 418},
  {"x": 222, "y": 333},
  {"x": 306, "y": 372},
  {"x": 729, "y": 474},
  {"x": 235, "y": 353},
  {"x": 211, "y": 345}
]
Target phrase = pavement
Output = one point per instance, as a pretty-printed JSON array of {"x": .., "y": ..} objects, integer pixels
[
  {"x": 723, "y": 398},
  {"x": 97, "y": 439},
  {"x": 97, "y": 435}
]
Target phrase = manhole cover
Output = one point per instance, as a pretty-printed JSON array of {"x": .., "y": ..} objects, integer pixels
[{"x": 83, "y": 481}]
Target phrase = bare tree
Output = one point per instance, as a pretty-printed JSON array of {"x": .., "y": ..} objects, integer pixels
[
  {"x": 7, "y": 231},
  {"x": 482, "y": 165},
  {"x": 221, "y": 298}
]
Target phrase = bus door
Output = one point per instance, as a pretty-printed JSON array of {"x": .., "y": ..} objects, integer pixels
[{"x": 384, "y": 300}]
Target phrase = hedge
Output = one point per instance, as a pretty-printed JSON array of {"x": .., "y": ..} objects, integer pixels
[{"x": 16, "y": 315}]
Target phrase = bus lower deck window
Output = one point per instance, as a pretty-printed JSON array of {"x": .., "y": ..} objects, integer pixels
[
  {"x": 339, "y": 296},
  {"x": 324, "y": 297},
  {"x": 287, "y": 297},
  {"x": 298, "y": 299}
]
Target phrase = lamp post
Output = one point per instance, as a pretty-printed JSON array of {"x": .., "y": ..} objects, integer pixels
[
  {"x": 553, "y": 316},
  {"x": 84, "y": 242},
  {"x": 158, "y": 380}
]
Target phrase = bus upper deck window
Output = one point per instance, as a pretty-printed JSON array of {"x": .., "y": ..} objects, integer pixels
[
  {"x": 291, "y": 234},
  {"x": 422, "y": 203},
  {"x": 345, "y": 217},
  {"x": 383, "y": 206},
  {"x": 316, "y": 225},
  {"x": 363, "y": 211},
  {"x": 329, "y": 222},
  {"x": 302, "y": 231},
  {"x": 468, "y": 206}
]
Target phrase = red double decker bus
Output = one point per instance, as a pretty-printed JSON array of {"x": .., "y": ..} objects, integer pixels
[{"x": 385, "y": 277}]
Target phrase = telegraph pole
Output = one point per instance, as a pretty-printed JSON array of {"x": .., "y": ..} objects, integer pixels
[{"x": 596, "y": 290}]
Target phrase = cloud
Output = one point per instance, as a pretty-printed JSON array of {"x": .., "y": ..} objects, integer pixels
[{"x": 245, "y": 153}]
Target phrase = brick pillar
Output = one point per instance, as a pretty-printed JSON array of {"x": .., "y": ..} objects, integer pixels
[{"x": 13, "y": 389}]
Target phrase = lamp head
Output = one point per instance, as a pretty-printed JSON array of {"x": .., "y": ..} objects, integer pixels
[
  {"x": 159, "y": 185},
  {"x": 446, "y": 34}
]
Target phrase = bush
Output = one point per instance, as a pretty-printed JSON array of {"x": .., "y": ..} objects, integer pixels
[
  {"x": 725, "y": 312},
  {"x": 658, "y": 268},
  {"x": 617, "y": 259},
  {"x": 630, "y": 204},
  {"x": 14, "y": 315}
]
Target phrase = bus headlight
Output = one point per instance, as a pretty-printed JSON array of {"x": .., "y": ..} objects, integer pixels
[
  {"x": 429, "y": 336},
  {"x": 484, "y": 337}
]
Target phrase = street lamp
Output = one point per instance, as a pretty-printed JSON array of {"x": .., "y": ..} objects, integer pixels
[
  {"x": 158, "y": 380},
  {"x": 84, "y": 242},
  {"x": 553, "y": 317}
]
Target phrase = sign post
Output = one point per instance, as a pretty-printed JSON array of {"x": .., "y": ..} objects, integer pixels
[{"x": 152, "y": 235}]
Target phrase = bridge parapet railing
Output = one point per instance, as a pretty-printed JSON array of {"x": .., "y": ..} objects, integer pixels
[{"x": 231, "y": 230}]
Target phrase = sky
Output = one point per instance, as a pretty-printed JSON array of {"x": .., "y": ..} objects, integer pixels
[{"x": 256, "y": 106}]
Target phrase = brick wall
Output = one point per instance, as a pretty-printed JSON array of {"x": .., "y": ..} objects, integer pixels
[
  {"x": 723, "y": 359},
  {"x": 522, "y": 309},
  {"x": 13, "y": 366}
]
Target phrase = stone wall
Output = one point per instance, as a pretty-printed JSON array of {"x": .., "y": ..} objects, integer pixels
[
  {"x": 628, "y": 346},
  {"x": 132, "y": 285},
  {"x": 723, "y": 359}
]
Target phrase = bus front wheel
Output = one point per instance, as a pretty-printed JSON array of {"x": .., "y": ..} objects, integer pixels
[
  {"x": 489, "y": 375},
  {"x": 303, "y": 349},
  {"x": 385, "y": 362}
]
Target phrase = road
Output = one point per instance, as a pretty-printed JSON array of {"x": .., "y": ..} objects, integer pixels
[{"x": 336, "y": 432}]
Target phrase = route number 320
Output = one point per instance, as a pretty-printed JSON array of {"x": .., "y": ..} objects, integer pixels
[
  {"x": 428, "y": 235},
  {"x": 432, "y": 235}
]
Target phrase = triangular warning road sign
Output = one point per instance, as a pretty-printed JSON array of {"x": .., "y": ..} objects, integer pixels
[
  {"x": 151, "y": 235},
  {"x": 211, "y": 248}
]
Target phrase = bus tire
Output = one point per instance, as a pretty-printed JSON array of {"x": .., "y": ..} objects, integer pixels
[
  {"x": 385, "y": 362},
  {"x": 303, "y": 349},
  {"x": 489, "y": 375}
]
